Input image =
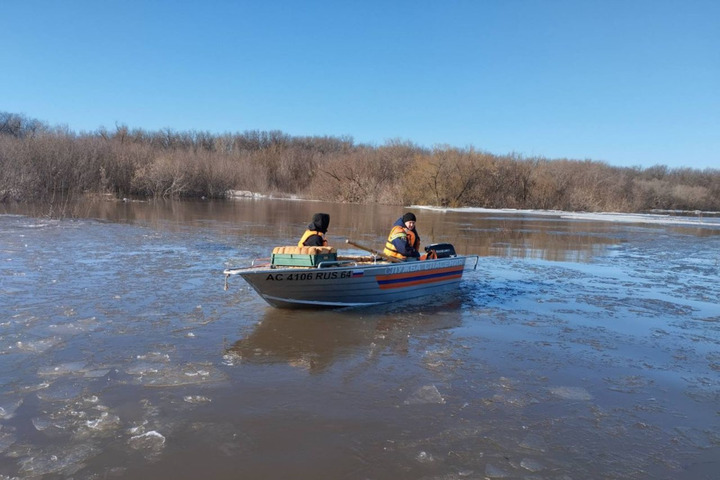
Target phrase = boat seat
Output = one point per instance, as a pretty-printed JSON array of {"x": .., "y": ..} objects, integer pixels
[{"x": 295, "y": 250}]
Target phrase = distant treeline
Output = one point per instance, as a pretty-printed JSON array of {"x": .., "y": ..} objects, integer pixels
[{"x": 54, "y": 164}]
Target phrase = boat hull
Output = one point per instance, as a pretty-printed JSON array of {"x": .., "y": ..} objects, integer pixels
[{"x": 354, "y": 285}]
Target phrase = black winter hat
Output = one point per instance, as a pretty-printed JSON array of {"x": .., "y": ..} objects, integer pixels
[
  {"x": 409, "y": 217},
  {"x": 320, "y": 222}
]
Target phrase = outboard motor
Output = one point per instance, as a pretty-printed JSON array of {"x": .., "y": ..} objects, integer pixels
[{"x": 442, "y": 250}]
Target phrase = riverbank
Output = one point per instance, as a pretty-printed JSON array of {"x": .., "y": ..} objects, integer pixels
[{"x": 56, "y": 166}]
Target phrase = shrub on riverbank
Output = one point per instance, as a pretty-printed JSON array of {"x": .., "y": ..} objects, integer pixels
[{"x": 53, "y": 165}]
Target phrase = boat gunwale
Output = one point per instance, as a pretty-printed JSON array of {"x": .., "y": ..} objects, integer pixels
[{"x": 251, "y": 269}]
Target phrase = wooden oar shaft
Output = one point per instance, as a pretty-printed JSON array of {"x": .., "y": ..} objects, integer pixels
[{"x": 374, "y": 252}]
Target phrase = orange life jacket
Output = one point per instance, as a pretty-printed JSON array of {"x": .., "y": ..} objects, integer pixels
[
  {"x": 310, "y": 233},
  {"x": 400, "y": 232}
]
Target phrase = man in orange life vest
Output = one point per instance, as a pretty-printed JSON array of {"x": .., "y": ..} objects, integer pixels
[
  {"x": 314, "y": 236},
  {"x": 403, "y": 242}
]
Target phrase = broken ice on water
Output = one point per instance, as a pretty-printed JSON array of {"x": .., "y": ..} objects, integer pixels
[
  {"x": 531, "y": 465},
  {"x": 7, "y": 439},
  {"x": 574, "y": 324},
  {"x": 82, "y": 419},
  {"x": 74, "y": 328},
  {"x": 571, "y": 393},
  {"x": 165, "y": 375},
  {"x": 492, "y": 471},
  {"x": 7, "y": 410},
  {"x": 424, "y": 457},
  {"x": 73, "y": 369},
  {"x": 61, "y": 391},
  {"x": 58, "y": 460},
  {"x": 104, "y": 424},
  {"x": 534, "y": 442},
  {"x": 149, "y": 443},
  {"x": 425, "y": 395},
  {"x": 68, "y": 368},
  {"x": 38, "y": 346},
  {"x": 196, "y": 399}
]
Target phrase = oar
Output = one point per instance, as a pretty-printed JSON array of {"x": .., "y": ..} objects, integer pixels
[{"x": 374, "y": 252}]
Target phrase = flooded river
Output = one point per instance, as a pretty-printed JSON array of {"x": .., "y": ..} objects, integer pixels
[{"x": 579, "y": 348}]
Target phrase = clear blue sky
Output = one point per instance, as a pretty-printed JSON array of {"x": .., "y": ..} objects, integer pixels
[{"x": 629, "y": 82}]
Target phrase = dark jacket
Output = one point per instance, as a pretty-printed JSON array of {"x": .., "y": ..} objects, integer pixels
[{"x": 402, "y": 246}]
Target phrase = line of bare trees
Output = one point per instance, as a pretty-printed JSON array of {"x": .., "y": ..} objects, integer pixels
[{"x": 54, "y": 164}]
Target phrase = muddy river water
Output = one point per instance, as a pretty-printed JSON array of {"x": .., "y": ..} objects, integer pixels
[{"x": 579, "y": 348}]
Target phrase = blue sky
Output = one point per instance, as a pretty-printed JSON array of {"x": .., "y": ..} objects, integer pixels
[{"x": 628, "y": 82}]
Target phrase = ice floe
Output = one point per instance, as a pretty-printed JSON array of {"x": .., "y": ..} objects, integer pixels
[
  {"x": 61, "y": 460},
  {"x": 425, "y": 395},
  {"x": 149, "y": 443},
  {"x": 699, "y": 219},
  {"x": 571, "y": 393}
]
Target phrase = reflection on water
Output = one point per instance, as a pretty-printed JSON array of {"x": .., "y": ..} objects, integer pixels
[
  {"x": 484, "y": 234},
  {"x": 315, "y": 340},
  {"x": 576, "y": 349}
]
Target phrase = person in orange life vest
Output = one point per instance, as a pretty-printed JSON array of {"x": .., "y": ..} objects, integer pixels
[
  {"x": 403, "y": 242},
  {"x": 314, "y": 236}
]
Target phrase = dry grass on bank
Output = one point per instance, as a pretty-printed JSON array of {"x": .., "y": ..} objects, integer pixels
[{"x": 38, "y": 163}]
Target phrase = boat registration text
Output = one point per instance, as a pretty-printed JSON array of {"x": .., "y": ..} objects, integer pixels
[{"x": 304, "y": 276}]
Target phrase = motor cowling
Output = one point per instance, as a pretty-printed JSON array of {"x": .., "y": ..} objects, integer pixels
[{"x": 442, "y": 250}]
